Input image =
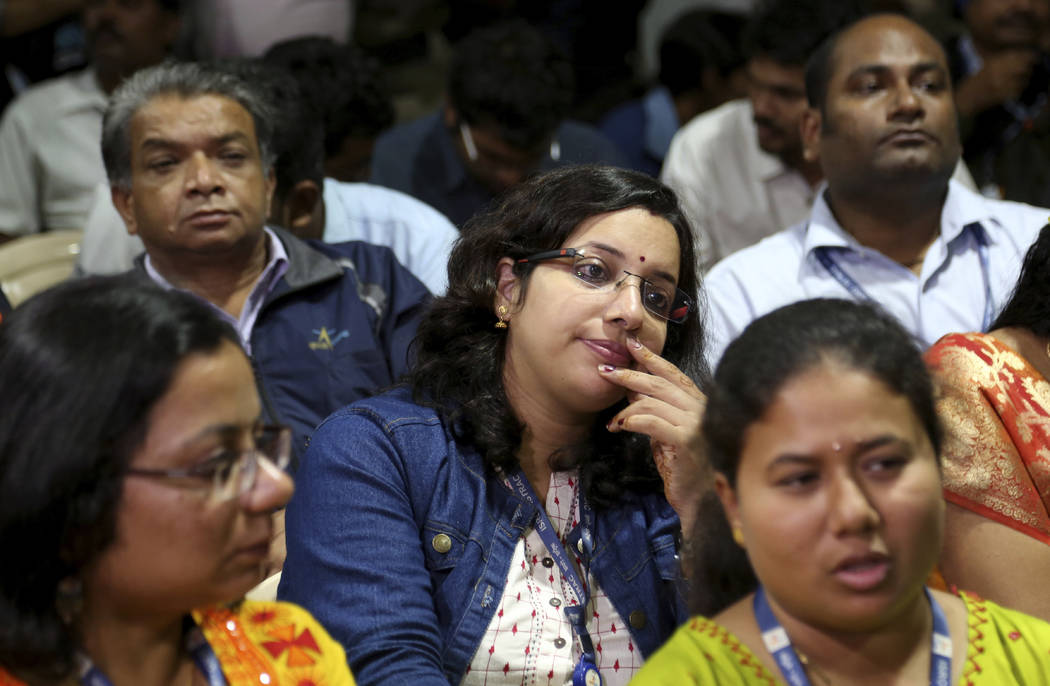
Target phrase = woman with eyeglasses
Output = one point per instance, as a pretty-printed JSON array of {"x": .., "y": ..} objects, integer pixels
[
  {"x": 811, "y": 566},
  {"x": 137, "y": 491},
  {"x": 511, "y": 514}
]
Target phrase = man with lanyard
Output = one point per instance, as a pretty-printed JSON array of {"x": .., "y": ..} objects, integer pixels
[{"x": 888, "y": 225}]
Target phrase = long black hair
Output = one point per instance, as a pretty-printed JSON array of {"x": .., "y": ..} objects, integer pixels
[
  {"x": 770, "y": 352},
  {"x": 81, "y": 365},
  {"x": 1029, "y": 305},
  {"x": 459, "y": 367}
]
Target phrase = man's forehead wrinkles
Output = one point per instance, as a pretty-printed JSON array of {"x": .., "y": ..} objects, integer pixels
[{"x": 176, "y": 121}]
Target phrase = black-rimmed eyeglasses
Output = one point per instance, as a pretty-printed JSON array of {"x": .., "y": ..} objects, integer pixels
[{"x": 663, "y": 300}]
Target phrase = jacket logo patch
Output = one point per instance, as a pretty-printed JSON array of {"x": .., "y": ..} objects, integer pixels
[{"x": 326, "y": 340}]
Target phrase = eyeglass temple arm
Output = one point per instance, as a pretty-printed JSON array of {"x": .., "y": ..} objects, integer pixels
[{"x": 550, "y": 255}]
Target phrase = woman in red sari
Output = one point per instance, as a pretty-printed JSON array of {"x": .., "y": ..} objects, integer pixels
[{"x": 994, "y": 400}]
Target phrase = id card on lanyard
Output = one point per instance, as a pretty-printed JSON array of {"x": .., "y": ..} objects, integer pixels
[
  {"x": 779, "y": 645},
  {"x": 586, "y": 671},
  {"x": 824, "y": 256}
]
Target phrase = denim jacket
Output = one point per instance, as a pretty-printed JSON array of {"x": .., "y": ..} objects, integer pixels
[{"x": 400, "y": 540}]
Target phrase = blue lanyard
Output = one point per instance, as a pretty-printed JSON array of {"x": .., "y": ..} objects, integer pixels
[
  {"x": 586, "y": 671},
  {"x": 779, "y": 645},
  {"x": 824, "y": 253},
  {"x": 196, "y": 645}
]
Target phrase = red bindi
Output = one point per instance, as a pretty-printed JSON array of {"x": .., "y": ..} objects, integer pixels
[{"x": 642, "y": 258}]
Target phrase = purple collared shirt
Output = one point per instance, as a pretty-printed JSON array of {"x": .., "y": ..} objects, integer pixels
[{"x": 276, "y": 266}]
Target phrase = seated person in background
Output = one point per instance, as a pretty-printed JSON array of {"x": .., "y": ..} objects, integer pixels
[
  {"x": 189, "y": 153},
  {"x": 509, "y": 91},
  {"x": 890, "y": 226},
  {"x": 739, "y": 169},
  {"x": 304, "y": 201},
  {"x": 49, "y": 155},
  {"x": 540, "y": 424},
  {"x": 348, "y": 93},
  {"x": 994, "y": 400},
  {"x": 1002, "y": 77},
  {"x": 699, "y": 67},
  {"x": 824, "y": 440},
  {"x": 137, "y": 482}
]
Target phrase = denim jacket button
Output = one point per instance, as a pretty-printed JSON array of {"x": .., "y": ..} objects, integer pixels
[
  {"x": 442, "y": 543},
  {"x": 637, "y": 619}
]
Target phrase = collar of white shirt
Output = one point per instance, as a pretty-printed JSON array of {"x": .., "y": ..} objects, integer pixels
[{"x": 961, "y": 208}]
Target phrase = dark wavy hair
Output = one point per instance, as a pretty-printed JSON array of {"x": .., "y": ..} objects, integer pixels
[
  {"x": 340, "y": 82},
  {"x": 1029, "y": 305},
  {"x": 459, "y": 367},
  {"x": 696, "y": 41},
  {"x": 81, "y": 365},
  {"x": 771, "y": 351},
  {"x": 512, "y": 77}
]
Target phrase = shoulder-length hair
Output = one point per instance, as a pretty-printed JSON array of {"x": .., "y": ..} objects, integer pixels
[
  {"x": 81, "y": 366},
  {"x": 459, "y": 368}
]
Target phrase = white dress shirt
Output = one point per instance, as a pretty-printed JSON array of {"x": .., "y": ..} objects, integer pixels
[
  {"x": 950, "y": 294},
  {"x": 419, "y": 235},
  {"x": 50, "y": 157},
  {"x": 735, "y": 193}
]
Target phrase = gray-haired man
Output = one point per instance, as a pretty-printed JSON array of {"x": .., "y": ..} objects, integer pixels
[{"x": 189, "y": 157}]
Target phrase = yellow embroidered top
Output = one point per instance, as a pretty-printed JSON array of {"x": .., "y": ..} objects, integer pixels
[
  {"x": 268, "y": 644},
  {"x": 1004, "y": 647}
]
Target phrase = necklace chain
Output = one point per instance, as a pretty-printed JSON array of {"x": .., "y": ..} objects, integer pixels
[{"x": 812, "y": 668}]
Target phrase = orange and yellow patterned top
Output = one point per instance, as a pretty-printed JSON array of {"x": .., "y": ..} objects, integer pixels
[
  {"x": 996, "y": 411},
  {"x": 1004, "y": 647},
  {"x": 271, "y": 643}
]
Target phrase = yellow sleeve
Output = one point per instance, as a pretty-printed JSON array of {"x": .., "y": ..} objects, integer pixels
[{"x": 277, "y": 638}]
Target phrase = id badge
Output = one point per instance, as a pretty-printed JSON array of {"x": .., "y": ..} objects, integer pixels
[{"x": 586, "y": 673}]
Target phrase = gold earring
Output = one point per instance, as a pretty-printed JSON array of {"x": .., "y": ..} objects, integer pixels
[
  {"x": 501, "y": 317},
  {"x": 738, "y": 537}
]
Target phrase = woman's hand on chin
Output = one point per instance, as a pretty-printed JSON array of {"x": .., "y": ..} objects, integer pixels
[{"x": 667, "y": 406}]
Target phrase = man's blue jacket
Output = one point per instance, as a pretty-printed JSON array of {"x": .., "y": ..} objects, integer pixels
[{"x": 335, "y": 328}]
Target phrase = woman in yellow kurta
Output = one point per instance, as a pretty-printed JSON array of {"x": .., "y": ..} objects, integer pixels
[
  {"x": 1004, "y": 647},
  {"x": 137, "y": 491},
  {"x": 825, "y": 452}
]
